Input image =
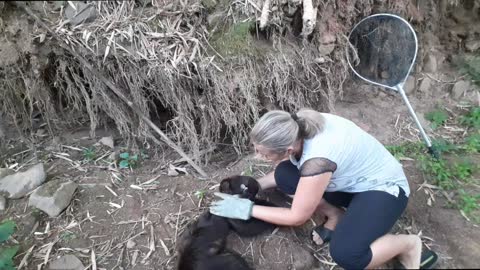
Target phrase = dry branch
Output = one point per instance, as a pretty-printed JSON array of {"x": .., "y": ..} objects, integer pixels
[
  {"x": 309, "y": 17},
  {"x": 118, "y": 93},
  {"x": 264, "y": 15}
]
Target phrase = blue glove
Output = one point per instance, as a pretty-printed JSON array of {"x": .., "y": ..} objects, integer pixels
[{"x": 232, "y": 206}]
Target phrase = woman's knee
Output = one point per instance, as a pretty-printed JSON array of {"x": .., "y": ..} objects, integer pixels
[
  {"x": 349, "y": 255},
  {"x": 287, "y": 177}
]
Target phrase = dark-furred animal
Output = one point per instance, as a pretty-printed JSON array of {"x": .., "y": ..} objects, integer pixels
[
  {"x": 246, "y": 187},
  {"x": 205, "y": 247}
]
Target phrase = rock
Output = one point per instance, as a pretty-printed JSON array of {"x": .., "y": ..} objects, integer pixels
[
  {"x": 409, "y": 85},
  {"x": 302, "y": 258},
  {"x": 459, "y": 89},
  {"x": 66, "y": 262},
  {"x": 326, "y": 49},
  {"x": 4, "y": 172},
  {"x": 17, "y": 185},
  {"x": 107, "y": 141},
  {"x": 3, "y": 203},
  {"x": 215, "y": 18},
  {"x": 425, "y": 85},
  {"x": 430, "y": 63},
  {"x": 131, "y": 244},
  {"x": 472, "y": 45},
  {"x": 53, "y": 197},
  {"x": 82, "y": 13}
]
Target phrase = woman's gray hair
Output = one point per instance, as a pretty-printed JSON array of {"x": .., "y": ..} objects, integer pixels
[{"x": 277, "y": 130}]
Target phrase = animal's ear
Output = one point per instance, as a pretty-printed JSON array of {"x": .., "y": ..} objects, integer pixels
[{"x": 225, "y": 186}]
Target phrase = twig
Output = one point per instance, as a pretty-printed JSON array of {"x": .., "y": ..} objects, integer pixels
[{"x": 25, "y": 258}]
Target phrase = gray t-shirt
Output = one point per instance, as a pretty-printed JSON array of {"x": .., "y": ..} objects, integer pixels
[{"x": 363, "y": 163}]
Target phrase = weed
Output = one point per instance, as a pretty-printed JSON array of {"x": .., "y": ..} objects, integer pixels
[
  {"x": 444, "y": 146},
  {"x": 406, "y": 149},
  {"x": 127, "y": 160},
  {"x": 469, "y": 203},
  {"x": 7, "y": 253},
  {"x": 463, "y": 170},
  {"x": 472, "y": 118},
  {"x": 472, "y": 143},
  {"x": 437, "y": 118},
  {"x": 200, "y": 194},
  {"x": 89, "y": 154},
  {"x": 438, "y": 169},
  {"x": 67, "y": 236}
]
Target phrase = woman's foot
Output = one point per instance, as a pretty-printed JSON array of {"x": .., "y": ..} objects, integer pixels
[
  {"x": 410, "y": 259},
  {"x": 332, "y": 220}
]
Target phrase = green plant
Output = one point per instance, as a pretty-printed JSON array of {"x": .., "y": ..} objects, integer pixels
[
  {"x": 472, "y": 143},
  {"x": 67, "y": 236},
  {"x": 472, "y": 118},
  {"x": 444, "y": 146},
  {"x": 89, "y": 153},
  {"x": 468, "y": 203},
  {"x": 463, "y": 170},
  {"x": 127, "y": 160},
  {"x": 406, "y": 149},
  {"x": 438, "y": 169},
  {"x": 7, "y": 253},
  {"x": 200, "y": 194},
  {"x": 437, "y": 118}
]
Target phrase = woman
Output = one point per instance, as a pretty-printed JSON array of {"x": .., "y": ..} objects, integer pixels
[{"x": 326, "y": 162}]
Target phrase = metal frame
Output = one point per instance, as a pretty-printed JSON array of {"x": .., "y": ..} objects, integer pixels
[
  {"x": 414, "y": 56},
  {"x": 398, "y": 87}
]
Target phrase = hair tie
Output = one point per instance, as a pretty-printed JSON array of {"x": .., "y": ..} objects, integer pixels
[{"x": 294, "y": 117}]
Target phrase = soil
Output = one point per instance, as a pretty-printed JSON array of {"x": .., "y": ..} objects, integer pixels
[{"x": 112, "y": 206}]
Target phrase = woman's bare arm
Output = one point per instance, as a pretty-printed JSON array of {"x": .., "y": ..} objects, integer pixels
[{"x": 309, "y": 193}]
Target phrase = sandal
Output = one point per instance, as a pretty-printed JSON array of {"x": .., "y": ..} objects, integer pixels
[
  {"x": 428, "y": 260},
  {"x": 324, "y": 233}
]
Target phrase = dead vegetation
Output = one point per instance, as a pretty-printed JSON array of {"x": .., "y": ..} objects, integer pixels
[{"x": 204, "y": 70}]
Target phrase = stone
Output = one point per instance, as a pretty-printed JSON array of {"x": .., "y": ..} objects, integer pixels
[
  {"x": 3, "y": 203},
  {"x": 53, "y": 197},
  {"x": 302, "y": 258},
  {"x": 131, "y": 244},
  {"x": 326, "y": 49},
  {"x": 107, "y": 141},
  {"x": 4, "y": 172},
  {"x": 409, "y": 85},
  {"x": 425, "y": 85},
  {"x": 459, "y": 89},
  {"x": 66, "y": 262},
  {"x": 17, "y": 185},
  {"x": 472, "y": 45},
  {"x": 430, "y": 63},
  {"x": 82, "y": 13}
]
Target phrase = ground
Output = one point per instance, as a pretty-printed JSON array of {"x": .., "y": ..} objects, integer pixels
[{"x": 114, "y": 206}]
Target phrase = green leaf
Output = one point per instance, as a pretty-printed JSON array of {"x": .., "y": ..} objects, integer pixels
[
  {"x": 134, "y": 157},
  {"x": 6, "y": 257},
  {"x": 124, "y": 164},
  {"x": 124, "y": 155},
  {"x": 6, "y": 229}
]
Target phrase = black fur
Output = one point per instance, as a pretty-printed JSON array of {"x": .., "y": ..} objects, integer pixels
[
  {"x": 247, "y": 187},
  {"x": 205, "y": 247}
]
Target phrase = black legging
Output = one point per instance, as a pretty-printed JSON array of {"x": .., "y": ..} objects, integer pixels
[{"x": 369, "y": 215}]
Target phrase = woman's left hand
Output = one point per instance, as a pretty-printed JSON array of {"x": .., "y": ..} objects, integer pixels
[{"x": 232, "y": 206}]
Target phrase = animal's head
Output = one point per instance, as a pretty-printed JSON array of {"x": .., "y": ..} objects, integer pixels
[{"x": 245, "y": 186}]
